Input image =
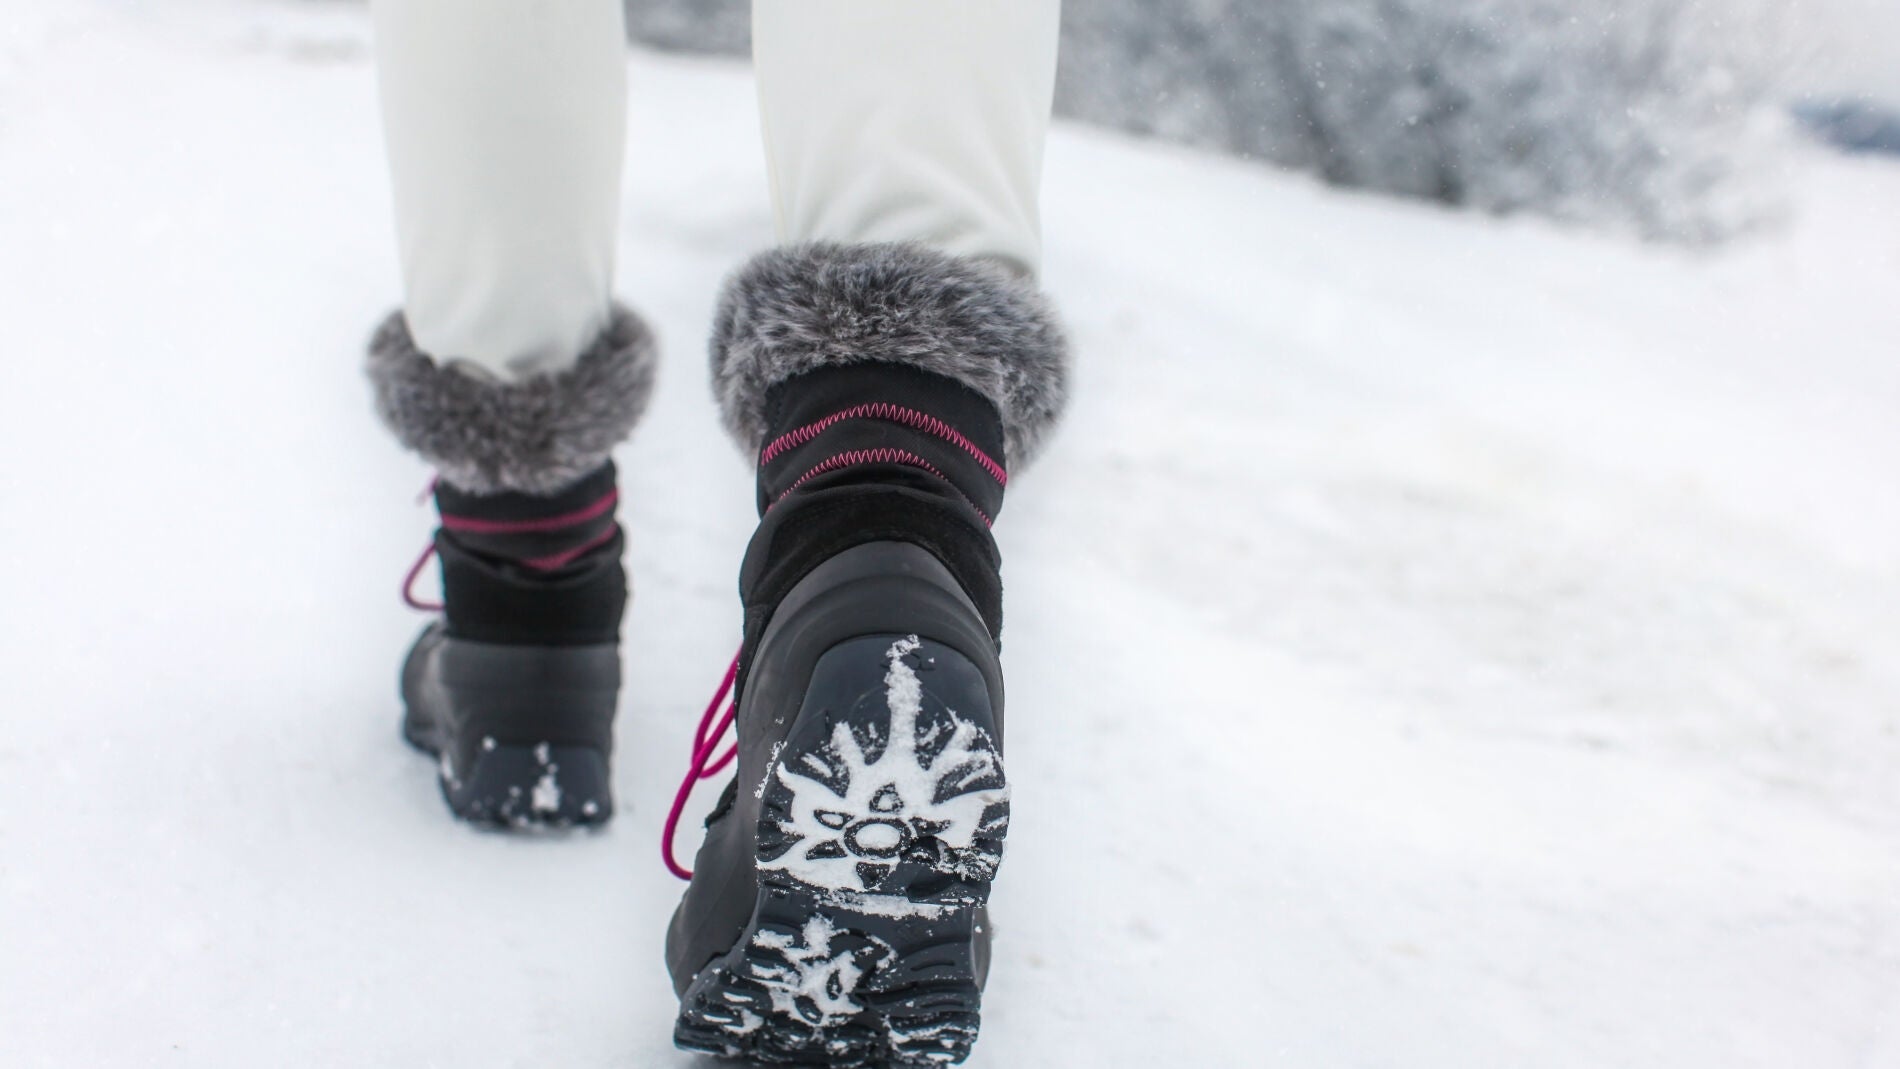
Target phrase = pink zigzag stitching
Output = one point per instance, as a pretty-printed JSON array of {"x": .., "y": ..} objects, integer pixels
[
  {"x": 893, "y": 414},
  {"x": 840, "y": 461}
]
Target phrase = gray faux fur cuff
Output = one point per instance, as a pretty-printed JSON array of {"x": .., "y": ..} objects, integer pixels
[
  {"x": 797, "y": 309},
  {"x": 536, "y": 436}
]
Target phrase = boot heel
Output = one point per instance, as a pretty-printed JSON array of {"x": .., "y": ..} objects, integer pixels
[
  {"x": 881, "y": 826},
  {"x": 522, "y": 735},
  {"x": 543, "y": 785}
]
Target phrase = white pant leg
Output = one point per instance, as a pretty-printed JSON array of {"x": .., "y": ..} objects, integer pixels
[
  {"x": 506, "y": 123},
  {"x": 908, "y": 120}
]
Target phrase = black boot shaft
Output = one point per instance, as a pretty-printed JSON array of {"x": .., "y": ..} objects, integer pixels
[
  {"x": 875, "y": 453},
  {"x": 949, "y": 437},
  {"x": 526, "y": 570}
]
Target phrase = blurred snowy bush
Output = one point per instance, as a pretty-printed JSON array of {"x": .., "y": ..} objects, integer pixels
[
  {"x": 1651, "y": 116},
  {"x": 722, "y": 27},
  {"x": 1859, "y": 126}
]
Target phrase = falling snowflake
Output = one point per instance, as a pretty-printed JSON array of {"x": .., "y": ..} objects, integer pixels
[{"x": 854, "y": 823}]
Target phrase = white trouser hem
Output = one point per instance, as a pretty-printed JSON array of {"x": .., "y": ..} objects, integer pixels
[{"x": 505, "y": 122}]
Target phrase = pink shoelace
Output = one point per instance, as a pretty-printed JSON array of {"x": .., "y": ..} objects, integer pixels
[
  {"x": 712, "y": 728},
  {"x": 409, "y": 597}
]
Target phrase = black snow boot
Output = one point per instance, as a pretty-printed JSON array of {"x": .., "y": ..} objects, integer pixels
[
  {"x": 836, "y": 915},
  {"x": 514, "y": 688}
]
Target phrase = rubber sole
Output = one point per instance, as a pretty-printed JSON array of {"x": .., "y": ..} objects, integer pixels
[
  {"x": 881, "y": 827},
  {"x": 521, "y": 736},
  {"x": 526, "y": 787}
]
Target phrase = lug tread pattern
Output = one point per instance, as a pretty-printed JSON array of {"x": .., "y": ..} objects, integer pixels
[{"x": 880, "y": 831}]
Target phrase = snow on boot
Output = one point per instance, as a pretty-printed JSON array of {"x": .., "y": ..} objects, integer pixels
[
  {"x": 836, "y": 914},
  {"x": 514, "y": 688}
]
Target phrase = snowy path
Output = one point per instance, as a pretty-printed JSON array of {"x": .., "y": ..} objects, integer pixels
[{"x": 1433, "y": 642}]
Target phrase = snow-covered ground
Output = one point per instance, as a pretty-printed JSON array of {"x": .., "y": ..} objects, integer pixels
[{"x": 1434, "y": 642}]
